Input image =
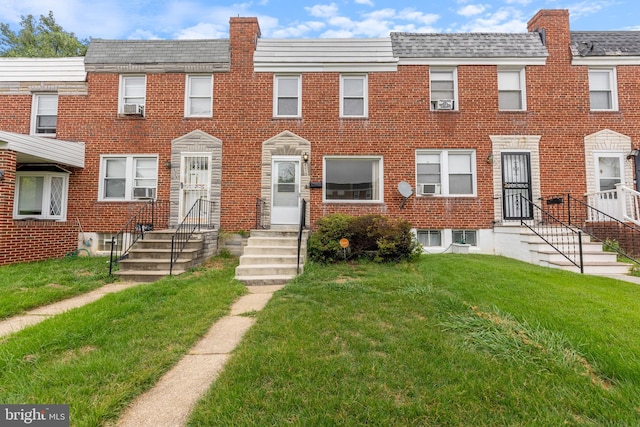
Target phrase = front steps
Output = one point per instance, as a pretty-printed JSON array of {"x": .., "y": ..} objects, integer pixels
[
  {"x": 149, "y": 258},
  {"x": 271, "y": 257},
  {"x": 532, "y": 248}
]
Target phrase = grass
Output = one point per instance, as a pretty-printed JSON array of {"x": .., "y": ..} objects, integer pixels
[
  {"x": 450, "y": 340},
  {"x": 99, "y": 357},
  {"x": 29, "y": 285}
]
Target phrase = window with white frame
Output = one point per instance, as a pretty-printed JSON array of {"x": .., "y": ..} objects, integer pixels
[
  {"x": 133, "y": 91},
  {"x": 443, "y": 84},
  {"x": 44, "y": 115},
  {"x": 353, "y": 179},
  {"x": 41, "y": 195},
  {"x": 511, "y": 93},
  {"x": 199, "y": 95},
  {"x": 429, "y": 238},
  {"x": 353, "y": 96},
  {"x": 128, "y": 177},
  {"x": 602, "y": 89},
  {"x": 287, "y": 99},
  {"x": 446, "y": 173},
  {"x": 468, "y": 237}
]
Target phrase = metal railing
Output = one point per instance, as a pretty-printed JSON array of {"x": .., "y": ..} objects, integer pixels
[
  {"x": 199, "y": 216},
  {"x": 261, "y": 211},
  {"x": 565, "y": 239},
  {"x": 151, "y": 216},
  {"x": 301, "y": 227},
  {"x": 615, "y": 235}
]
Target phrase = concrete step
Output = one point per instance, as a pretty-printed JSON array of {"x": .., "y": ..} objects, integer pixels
[
  {"x": 596, "y": 268},
  {"x": 165, "y": 244},
  {"x": 145, "y": 264},
  {"x": 273, "y": 250},
  {"x": 279, "y": 233},
  {"x": 586, "y": 247},
  {"x": 161, "y": 254},
  {"x": 587, "y": 257},
  {"x": 145, "y": 276},
  {"x": 270, "y": 259},
  {"x": 265, "y": 280},
  {"x": 273, "y": 241},
  {"x": 268, "y": 270}
]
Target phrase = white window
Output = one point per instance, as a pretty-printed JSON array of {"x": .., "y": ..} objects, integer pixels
[
  {"x": 128, "y": 177},
  {"x": 353, "y": 179},
  {"x": 511, "y": 93},
  {"x": 44, "y": 114},
  {"x": 446, "y": 173},
  {"x": 443, "y": 84},
  {"x": 199, "y": 95},
  {"x": 468, "y": 237},
  {"x": 430, "y": 238},
  {"x": 602, "y": 89},
  {"x": 287, "y": 100},
  {"x": 353, "y": 96},
  {"x": 133, "y": 91},
  {"x": 41, "y": 195}
]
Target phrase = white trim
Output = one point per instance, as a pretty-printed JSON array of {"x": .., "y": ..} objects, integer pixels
[
  {"x": 122, "y": 87},
  {"x": 129, "y": 176},
  {"x": 613, "y": 83},
  {"x": 276, "y": 78},
  {"x": 187, "y": 95},
  {"x": 35, "y": 106},
  {"x": 46, "y": 195},
  {"x": 454, "y": 76},
  {"x": 42, "y": 69},
  {"x": 380, "y": 194},
  {"x": 523, "y": 87},
  {"x": 48, "y": 149},
  {"x": 365, "y": 94},
  {"x": 300, "y": 67},
  {"x": 606, "y": 61},
  {"x": 444, "y": 171}
]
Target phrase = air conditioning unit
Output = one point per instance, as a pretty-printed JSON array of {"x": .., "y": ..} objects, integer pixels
[
  {"x": 429, "y": 189},
  {"x": 444, "y": 104},
  {"x": 133, "y": 109},
  {"x": 144, "y": 193}
]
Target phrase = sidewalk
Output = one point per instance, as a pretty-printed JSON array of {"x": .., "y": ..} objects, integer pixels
[{"x": 171, "y": 400}]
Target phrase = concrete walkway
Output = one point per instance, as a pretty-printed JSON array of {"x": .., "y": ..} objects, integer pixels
[
  {"x": 14, "y": 324},
  {"x": 172, "y": 399}
]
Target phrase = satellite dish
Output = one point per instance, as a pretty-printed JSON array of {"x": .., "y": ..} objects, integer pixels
[{"x": 405, "y": 191}]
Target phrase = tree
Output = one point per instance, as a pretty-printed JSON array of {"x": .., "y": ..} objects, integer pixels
[{"x": 44, "y": 39}]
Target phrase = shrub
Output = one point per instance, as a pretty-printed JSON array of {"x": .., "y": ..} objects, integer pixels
[{"x": 374, "y": 237}]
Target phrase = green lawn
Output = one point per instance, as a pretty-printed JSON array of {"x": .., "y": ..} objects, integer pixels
[
  {"x": 450, "y": 340},
  {"x": 29, "y": 285}
]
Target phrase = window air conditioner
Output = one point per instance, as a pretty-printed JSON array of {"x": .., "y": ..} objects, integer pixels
[
  {"x": 144, "y": 193},
  {"x": 444, "y": 104},
  {"x": 429, "y": 189},
  {"x": 133, "y": 109}
]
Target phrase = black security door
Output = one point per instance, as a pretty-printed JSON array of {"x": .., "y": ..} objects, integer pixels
[{"x": 516, "y": 184}]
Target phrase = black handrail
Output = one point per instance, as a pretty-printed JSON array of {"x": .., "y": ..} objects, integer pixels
[
  {"x": 260, "y": 213},
  {"x": 302, "y": 226},
  {"x": 566, "y": 240},
  {"x": 200, "y": 215},
  {"x": 615, "y": 235},
  {"x": 151, "y": 216}
]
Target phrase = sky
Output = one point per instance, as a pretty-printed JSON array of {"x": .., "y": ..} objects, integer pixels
[{"x": 206, "y": 19}]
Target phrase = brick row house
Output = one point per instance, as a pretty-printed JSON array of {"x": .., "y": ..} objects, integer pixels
[{"x": 469, "y": 121}]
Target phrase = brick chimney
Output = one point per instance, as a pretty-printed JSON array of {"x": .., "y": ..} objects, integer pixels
[
  {"x": 243, "y": 36},
  {"x": 553, "y": 25}
]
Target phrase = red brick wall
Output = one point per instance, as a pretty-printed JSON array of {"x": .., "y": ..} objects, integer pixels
[{"x": 399, "y": 122}]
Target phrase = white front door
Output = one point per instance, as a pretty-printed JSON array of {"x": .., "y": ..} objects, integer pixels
[
  {"x": 609, "y": 172},
  {"x": 195, "y": 180},
  {"x": 285, "y": 190}
]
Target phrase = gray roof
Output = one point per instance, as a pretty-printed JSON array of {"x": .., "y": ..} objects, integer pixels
[
  {"x": 467, "y": 45},
  {"x": 157, "y": 51},
  {"x": 605, "y": 43}
]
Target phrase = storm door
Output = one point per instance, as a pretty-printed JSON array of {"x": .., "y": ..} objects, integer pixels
[{"x": 516, "y": 186}]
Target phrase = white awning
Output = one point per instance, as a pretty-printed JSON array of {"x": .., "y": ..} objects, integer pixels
[{"x": 37, "y": 149}]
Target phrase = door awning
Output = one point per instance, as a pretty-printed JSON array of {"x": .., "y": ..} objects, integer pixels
[{"x": 38, "y": 149}]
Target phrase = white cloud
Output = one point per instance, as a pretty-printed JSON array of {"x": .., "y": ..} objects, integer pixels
[
  {"x": 585, "y": 8},
  {"x": 203, "y": 31},
  {"x": 322, "y": 10},
  {"x": 520, "y": 2},
  {"x": 471, "y": 10},
  {"x": 420, "y": 17},
  {"x": 365, "y": 2}
]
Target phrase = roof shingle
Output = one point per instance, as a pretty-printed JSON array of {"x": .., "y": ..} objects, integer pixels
[
  {"x": 102, "y": 51},
  {"x": 605, "y": 43}
]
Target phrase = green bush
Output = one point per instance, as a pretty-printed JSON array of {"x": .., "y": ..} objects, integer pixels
[{"x": 373, "y": 237}]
